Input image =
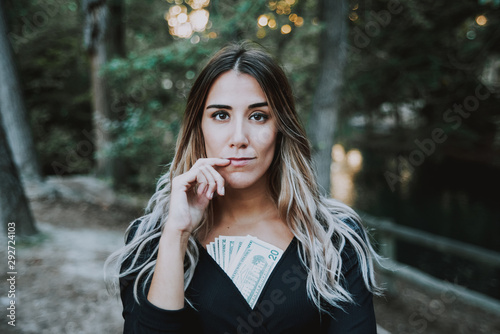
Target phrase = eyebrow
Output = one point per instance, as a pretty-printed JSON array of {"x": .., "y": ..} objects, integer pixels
[{"x": 223, "y": 106}]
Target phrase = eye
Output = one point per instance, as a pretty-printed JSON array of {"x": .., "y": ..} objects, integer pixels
[
  {"x": 220, "y": 115},
  {"x": 259, "y": 117}
]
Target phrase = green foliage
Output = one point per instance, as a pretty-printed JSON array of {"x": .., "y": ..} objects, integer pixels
[
  {"x": 429, "y": 55},
  {"x": 149, "y": 87},
  {"x": 148, "y": 91},
  {"x": 46, "y": 40},
  {"x": 432, "y": 52}
]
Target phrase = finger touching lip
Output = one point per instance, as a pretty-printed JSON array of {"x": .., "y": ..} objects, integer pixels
[
  {"x": 218, "y": 161},
  {"x": 240, "y": 162}
]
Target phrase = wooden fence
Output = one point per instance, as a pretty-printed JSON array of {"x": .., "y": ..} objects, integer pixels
[{"x": 388, "y": 233}]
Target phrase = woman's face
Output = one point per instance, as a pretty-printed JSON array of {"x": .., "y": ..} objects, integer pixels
[{"x": 237, "y": 125}]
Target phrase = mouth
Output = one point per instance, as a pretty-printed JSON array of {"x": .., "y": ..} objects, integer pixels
[{"x": 240, "y": 162}]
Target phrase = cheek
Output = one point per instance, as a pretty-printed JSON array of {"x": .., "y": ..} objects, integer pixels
[
  {"x": 265, "y": 138},
  {"x": 211, "y": 141}
]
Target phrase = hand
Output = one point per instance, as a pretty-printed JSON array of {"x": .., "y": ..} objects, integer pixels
[{"x": 191, "y": 192}]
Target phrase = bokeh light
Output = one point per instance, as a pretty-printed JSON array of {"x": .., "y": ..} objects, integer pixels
[
  {"x": 299, "y": 21},
  {"x": 261, "y": 33},
  {"x": 354, "y": 159},
  {"x": 344, "y": 167},
  {"x": 284, "y": 7},
  {"x": 183, "y": 30},
  {"x": 338, "y": 153},
  {"x": 481, "y": 20},
  {"x": 471, "y": 34},
  {"x": 199, "y": 19},
  {"x": 286, "y": 29},
  {"x": 198, "y": 4},
  {"x": 195, "y": 40},
  {"x": 182, "y": 17},
  {"x": 280, "y": 10},
  {"x": 167, "y": 83},
  {"x": 183, "y": 23},
  {"x": 262, "y": 21},
  {"x": 176, "y": 10}
]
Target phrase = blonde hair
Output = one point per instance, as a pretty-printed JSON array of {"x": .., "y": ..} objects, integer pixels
[{"x": 319, "y": 224}]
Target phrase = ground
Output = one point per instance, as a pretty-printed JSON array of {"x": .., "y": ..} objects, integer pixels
[{"x": 60, "y": 287}]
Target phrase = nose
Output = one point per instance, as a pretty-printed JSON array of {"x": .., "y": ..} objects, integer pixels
[{"x": 239, "y": 135}]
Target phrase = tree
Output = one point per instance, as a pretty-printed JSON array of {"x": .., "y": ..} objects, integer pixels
[
  {"x": 14, "y": 207},
  {"x": 115, "y": 48},
  {"x": 96, "y": 16},
  {"x": 13, "y": 110},
  {"x": 325, "y": 109},
  {"x": 116, "y": 29}
]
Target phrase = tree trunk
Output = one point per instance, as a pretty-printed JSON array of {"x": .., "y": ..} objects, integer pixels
[
  {"x": 14, "y": 207},
  {"x": 13, "y": 111},
  {"x": 96, "y": 16},
  {"x": 101, "y": 119},
  {"x": 116, "y": 29},
  {"x": 326, "y": 104},
  {"x": 116, "y": 48}
]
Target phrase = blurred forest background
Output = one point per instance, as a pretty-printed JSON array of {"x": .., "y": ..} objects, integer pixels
[{"x": 408, "y": 91}]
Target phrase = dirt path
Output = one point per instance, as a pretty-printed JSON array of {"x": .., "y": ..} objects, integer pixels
[{"x": 60, "y": 286}]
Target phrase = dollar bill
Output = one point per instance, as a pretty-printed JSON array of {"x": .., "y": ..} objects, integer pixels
[
  {"x": 216, "y": 251},
  {"x": 222, "y": 254},
  {"x": 248, "y": 261},
  {"x": 229, "y": 251}
]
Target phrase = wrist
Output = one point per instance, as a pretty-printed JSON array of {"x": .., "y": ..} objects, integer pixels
[
  {"x": 176, "y": 227},
  {"x": 173, "y": 238}
]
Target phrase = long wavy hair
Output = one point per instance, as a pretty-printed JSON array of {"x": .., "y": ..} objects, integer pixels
[{"x": 318, "y": 223}]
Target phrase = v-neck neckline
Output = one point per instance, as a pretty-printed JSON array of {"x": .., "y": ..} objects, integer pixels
[{"x": 234, "y": 287}]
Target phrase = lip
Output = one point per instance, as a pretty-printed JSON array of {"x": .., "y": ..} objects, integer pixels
[{"x": 240, "y": 162}]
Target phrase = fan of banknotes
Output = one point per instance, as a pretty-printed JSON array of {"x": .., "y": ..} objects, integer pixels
[{"x": 248, "y": 261}]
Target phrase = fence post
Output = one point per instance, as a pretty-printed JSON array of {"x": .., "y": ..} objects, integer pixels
[{"x": 388, "y": 245}]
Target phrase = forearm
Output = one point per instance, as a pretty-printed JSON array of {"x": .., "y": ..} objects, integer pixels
[
  {"x": 167, "y": 286},
  {"x": 146, "y": 318}
]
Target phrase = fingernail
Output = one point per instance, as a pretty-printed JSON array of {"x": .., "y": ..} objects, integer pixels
[
  {"x": 211, "y": 195},
  {"x": 222, "y": 191}
]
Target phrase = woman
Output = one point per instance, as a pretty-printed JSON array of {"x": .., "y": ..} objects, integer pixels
[{"x": 243, "y": 167}]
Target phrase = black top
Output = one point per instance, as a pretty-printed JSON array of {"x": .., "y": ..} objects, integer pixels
[{"x": 283, "y": 306}]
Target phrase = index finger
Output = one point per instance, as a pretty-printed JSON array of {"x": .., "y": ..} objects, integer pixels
[{"x": 215, "y": 161}]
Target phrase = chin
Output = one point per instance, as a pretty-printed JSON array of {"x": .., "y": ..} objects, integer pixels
[{"x": 239, "y": 180}]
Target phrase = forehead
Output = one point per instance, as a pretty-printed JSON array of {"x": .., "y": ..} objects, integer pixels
[{"x": 235, "y": 87}]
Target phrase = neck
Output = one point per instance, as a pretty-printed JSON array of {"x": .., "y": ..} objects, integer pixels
[{"x": 245, "y": 206}]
